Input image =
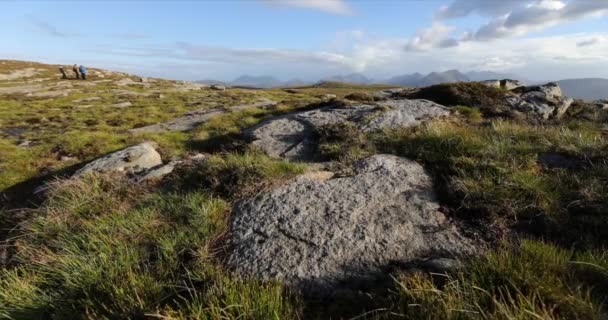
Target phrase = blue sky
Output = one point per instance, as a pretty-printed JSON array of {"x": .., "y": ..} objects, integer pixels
[{"x": 311, "y": 39}]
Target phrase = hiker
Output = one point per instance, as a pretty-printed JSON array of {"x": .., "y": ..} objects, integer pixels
[
  {"x": 63, "y": 75},
  {"x": 75, "y": 69},
  {"x": 83, "y": 72}
]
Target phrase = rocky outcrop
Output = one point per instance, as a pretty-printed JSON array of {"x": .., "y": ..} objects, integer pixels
[
  {"x": 135, "y": 159},
  {"x": 406, "y": 113},
  {"x": 319, "y": 232},
  {"x": 546, "y": 101},
  {"x": 505, "y": 84},
  {"x": 293, "y": 136}
]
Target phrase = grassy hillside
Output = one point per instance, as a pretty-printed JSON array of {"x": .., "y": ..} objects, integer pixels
[{"x": 105, "y": 248}]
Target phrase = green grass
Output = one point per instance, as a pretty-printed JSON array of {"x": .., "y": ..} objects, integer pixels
[
  {"x": 532, "y": 281},
  {"x": 105, "y": 249}
]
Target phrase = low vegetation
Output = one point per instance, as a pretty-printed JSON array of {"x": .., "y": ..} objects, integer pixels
[{"x": 105, "y": 248}]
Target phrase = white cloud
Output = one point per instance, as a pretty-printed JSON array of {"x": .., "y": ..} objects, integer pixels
[
  {"x": 520, "y": 17},
  {"x": 331, "y": 6},
  {"x": 438, "y": 35},
  {"x": 542, "y": 58}
]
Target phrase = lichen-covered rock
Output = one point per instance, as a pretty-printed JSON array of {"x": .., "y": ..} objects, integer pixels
[
  {"x": 406, "y": 113},
  {"x": 134, "y": 159},
  {"x": 320, "y": 232},
  {"x": 546, "y": 101}
]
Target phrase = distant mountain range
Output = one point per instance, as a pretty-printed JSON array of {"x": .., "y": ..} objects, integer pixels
[{"x": 590, "y": 88}]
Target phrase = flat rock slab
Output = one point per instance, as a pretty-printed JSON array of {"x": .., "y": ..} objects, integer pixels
[
  {"x": 20, "y": 74},
  {"x": 21, "y": 89},
  {"x": 293, "y": 136},
  {"x": 133, "y": 159},
  {"x": 186, "y": 123},
  {"x": 319, "y": 233},
  {"x": 89, "y": 99},
  {"x": 122, "y": 104},
  {"x": 406, "y": 113},
  {"x": 51, "y": 94},
  {"x": 194, "y": 118}
]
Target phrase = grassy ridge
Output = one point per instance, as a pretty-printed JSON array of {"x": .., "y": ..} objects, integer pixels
[{"x": 104, "y": 248}]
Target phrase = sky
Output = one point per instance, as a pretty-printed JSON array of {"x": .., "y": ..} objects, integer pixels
[{"x": 312, "y": 39}]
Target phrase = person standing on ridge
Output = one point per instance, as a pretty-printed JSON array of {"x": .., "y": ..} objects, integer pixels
[
  {"x": 75, "y": 69},
  {"x": 83, "y": 72},
  {"x": 63, "y": 75}
]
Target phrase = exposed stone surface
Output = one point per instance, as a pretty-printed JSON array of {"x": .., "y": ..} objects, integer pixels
[
  {"x": 19, "y": 74},
  {"x": 218, "y": 87},
  {"x": 546, "y": 101},
  {"x": 51, "y": 94},
  {"x": 506, "y": 84},
  {"x": 406, "y": 113},
  {"x": 194, "y": 118},
  {"x": 128, "y": 93},
  {"x": 387, "y": 93},
  {"x": 20, "y": 89},
  {"x": 320, "y": 232},
  {"x": 159, "y": 172},
  {"x": 122, "y": 104},
  {"x": 129, "y": 81},
  {"x": 262, "y": 103},
  {"x": 292, "y": 136},
  {"x": 89, "y": 99},
  {"x": 188, "y": 122},
  {"x": 133, "y": 159}
]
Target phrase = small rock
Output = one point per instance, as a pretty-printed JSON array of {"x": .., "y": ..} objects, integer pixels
[
  {"x": 25, "y": 144},
  {"x": 218, "y": 87},
  {"x": 505, "y": 84},
  {"x": 89, "y": 99},
  {"x": 159, "y": 172},
  {"x": 134, "y": 159},
  {"x": 197, "y": 157},
  {"x": 122, "y": 104},
  {"x": 329, "y": 96},
  {"x": 67, "y": 158}
]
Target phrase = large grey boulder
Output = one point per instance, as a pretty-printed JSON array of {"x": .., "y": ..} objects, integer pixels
[
  {"x": 545, "y": 101},
  {"x": 318, "y": 232},
  {"x": 293, "y": 136},
  {"x": 134, "y": 159}
]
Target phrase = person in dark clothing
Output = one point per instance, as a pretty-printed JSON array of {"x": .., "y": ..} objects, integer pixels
[
  {"x": 63, "y": 75},
  {"x": 83, "y": 72},
  {"x": 75, "y": 69}
]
